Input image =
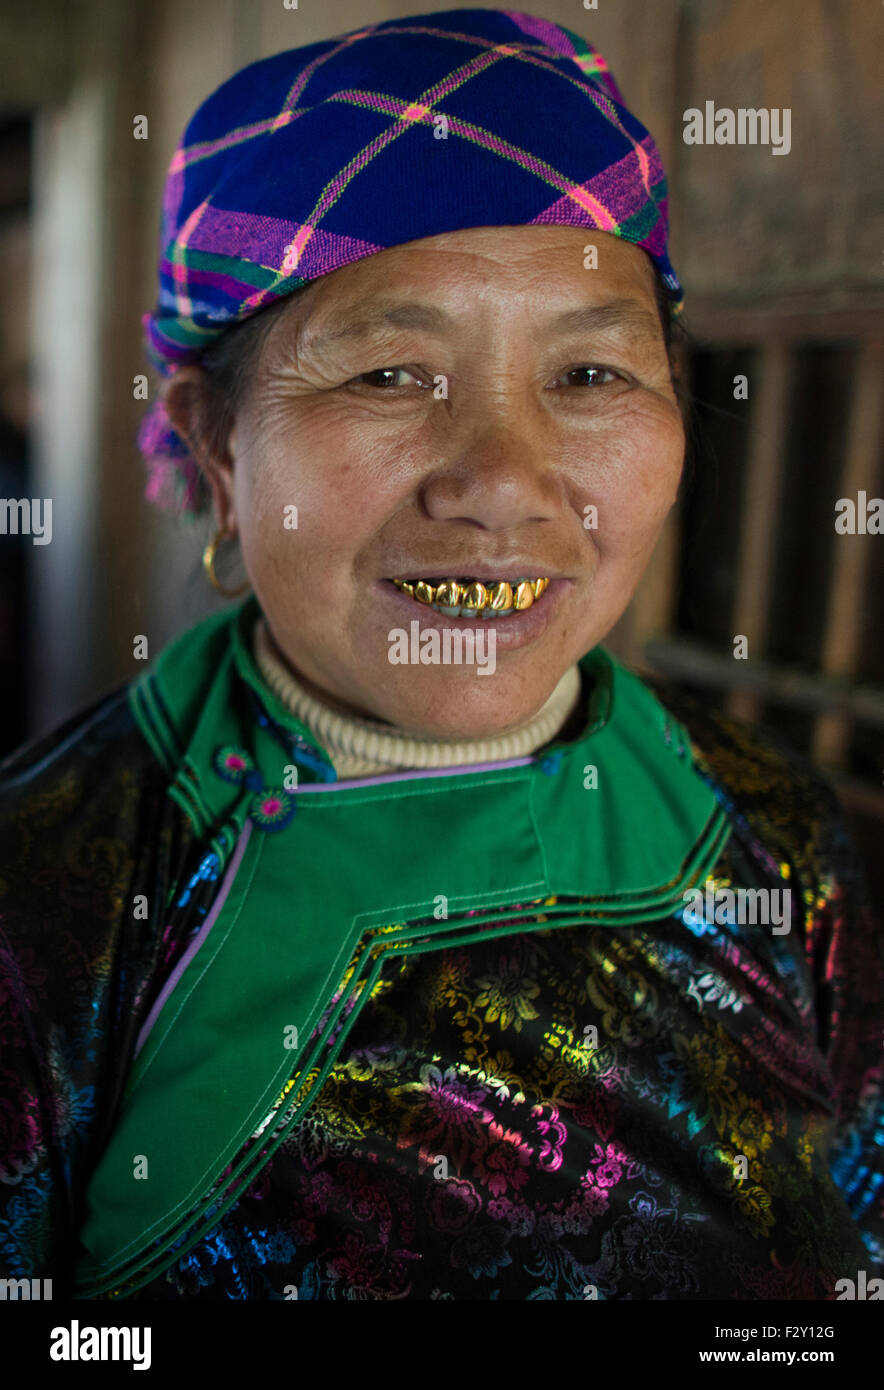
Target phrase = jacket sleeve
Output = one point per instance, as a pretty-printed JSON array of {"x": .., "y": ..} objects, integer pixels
[
  {"x": 794, "y": 812},
  {"x": 845, "y": 946},
  {"x": 84, "y": 827}
]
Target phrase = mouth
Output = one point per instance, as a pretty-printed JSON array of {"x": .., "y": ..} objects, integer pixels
[{"x": 469, "y": 597}]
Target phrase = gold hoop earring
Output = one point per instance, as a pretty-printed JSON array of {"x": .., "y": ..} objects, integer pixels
[{"x": 209, "y": 566}]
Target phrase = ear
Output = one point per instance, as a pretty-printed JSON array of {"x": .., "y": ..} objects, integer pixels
[{"x": 187, "y": 398}]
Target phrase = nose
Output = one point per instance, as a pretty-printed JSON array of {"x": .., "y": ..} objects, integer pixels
[{"x": 502, "y": 480}]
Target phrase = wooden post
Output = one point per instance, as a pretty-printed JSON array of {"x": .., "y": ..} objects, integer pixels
[
  {"x": 846, "y": 606},
  {"x": 760, "y": 510}
]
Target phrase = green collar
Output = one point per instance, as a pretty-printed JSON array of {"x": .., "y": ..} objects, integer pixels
[
  {"x": 629, "y": 776},
  {"x": 190, "y": 703}
]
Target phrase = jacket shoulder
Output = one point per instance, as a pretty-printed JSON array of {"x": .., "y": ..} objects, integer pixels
[
  {"x": 778, "y": 792},
  {"x": 84, "y": 743},
  {"x": 72, "y": 798}
]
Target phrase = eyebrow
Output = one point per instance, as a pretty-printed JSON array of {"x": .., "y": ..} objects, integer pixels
[{"x": 617, "y": 313}]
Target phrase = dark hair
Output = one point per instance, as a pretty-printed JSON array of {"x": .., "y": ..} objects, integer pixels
[
  {"x": 668, "y": 322},
  {"x": 676, "y": 336},
  {"x": 230, "y": 365},
  {"x": 232, "y": 361}
]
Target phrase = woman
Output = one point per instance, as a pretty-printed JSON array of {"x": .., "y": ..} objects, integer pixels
[{"x": 336, "y": 969}]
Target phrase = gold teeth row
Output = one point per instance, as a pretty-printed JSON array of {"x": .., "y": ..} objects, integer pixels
[{"x": 495, "y": 597}]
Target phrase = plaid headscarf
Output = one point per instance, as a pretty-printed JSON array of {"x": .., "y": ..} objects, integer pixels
[{"x": 308, "y": 160}]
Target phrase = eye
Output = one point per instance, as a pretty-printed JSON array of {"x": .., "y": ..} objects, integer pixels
[
  {"x": 371, "y": 378},
  {"x": 595, "y": 372}
]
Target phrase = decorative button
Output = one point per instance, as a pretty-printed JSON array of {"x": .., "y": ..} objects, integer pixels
[
  {"x": 234, "y": 764},
  {"x": 272, "y": 808}
]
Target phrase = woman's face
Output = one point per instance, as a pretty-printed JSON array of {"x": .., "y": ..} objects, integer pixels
[{"x": 491, "y": 472}]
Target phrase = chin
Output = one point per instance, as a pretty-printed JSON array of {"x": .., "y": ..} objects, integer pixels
[{"x": 463, "y": 709}]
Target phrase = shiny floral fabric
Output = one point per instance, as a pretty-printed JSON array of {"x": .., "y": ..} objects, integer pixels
[{"x": 477, "y": 1139}]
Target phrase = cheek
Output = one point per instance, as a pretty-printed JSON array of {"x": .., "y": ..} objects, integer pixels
[
  {"x": 637, "y": 483},
  {"x": 333, "y": 459},
  {"x": 304, "y": 503}
]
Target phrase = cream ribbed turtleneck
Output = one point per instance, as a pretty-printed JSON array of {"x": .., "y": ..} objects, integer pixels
[{"x": 361, "y": 747}]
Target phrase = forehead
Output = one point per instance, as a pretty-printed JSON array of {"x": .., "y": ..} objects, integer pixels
[{"x": 505, "y": 271}]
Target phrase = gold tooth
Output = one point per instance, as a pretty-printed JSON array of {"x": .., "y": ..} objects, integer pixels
[
  {"x": 496, "y": 597},
  {"x": 501, "y": 596},
  {"x": 524, "y": 596},
  {"x": 476, "y": 597},
  {"x": 449, "y": 594}
]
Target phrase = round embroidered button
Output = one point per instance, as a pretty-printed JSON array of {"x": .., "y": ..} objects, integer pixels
[
  {"x": 233, "y": 764},
  {"x": 272, "y": 808}
]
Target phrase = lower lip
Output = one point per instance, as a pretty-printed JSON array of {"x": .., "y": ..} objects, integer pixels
[{"x": 517, "y": 630}]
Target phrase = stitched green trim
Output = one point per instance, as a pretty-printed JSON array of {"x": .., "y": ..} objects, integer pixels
[
  {"x": 150, "y": 720},
  {"x": 262, "y": 1150}
]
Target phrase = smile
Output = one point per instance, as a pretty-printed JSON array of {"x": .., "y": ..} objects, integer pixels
[{"x": 470, "y": 598}]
